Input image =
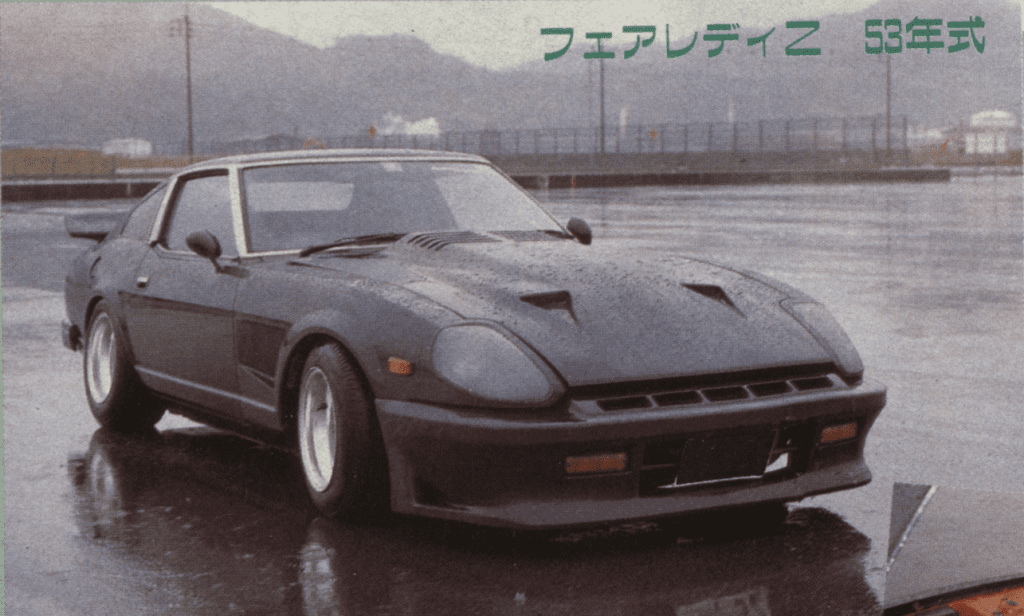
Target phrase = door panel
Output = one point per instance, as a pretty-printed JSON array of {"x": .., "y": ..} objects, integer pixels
[
  {"x": 180, "y": 314},
  {"x": 180, "y": 323}
]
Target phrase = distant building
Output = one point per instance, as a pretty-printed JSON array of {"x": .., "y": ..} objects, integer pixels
[
  {"x": 990, "y": 132},
  {"x": 132, "y": 148}
]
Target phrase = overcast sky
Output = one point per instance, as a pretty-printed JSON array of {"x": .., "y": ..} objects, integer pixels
[{"x": 499, "y": 34}]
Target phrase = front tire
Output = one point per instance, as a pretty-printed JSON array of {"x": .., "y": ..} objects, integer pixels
[
  {"x": 339, "y": 443},
  {"x": 117, "y": 398}
]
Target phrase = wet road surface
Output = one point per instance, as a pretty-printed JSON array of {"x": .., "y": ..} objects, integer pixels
[{"x": 925, "y": 278}]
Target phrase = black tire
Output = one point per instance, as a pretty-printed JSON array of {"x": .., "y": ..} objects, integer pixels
[
  {"x": 340, "y": 448},
  {"x": 117, "y": 399}
]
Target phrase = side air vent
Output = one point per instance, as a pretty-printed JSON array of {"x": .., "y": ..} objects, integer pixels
[
  {"x": 440, "y": 239},
  {"x": 552, "y": 300}
]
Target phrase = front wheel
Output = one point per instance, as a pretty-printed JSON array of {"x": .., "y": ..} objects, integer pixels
[
  {"x": 117, "y": 398},
  {"x": 339, "y": 444}
]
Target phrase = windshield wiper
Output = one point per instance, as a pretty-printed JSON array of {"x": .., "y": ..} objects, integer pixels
[{"x": 372, "y": 238}]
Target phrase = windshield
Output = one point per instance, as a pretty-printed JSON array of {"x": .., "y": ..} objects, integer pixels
[{"x": 298, "y": 205}]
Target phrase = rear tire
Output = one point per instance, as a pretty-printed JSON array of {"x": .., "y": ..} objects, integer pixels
[
  {"x": 339, "y": 443},
  {"x": 117, "y": 398}
]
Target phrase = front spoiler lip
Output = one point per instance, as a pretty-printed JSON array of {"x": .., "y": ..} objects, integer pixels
[
  {"x": 70, "y": 336},
  {"x": 580, "y": 513},
  {"x": 407, "y": 427}
]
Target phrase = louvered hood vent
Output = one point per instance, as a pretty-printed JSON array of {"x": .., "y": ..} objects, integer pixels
[{"x": 439, "y": 239}]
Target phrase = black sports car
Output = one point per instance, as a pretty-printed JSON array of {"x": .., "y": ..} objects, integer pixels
[{"x": 425, "y": 334}]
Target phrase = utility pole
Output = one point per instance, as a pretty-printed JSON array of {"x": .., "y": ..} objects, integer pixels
[
  {"x": 188, "y": 76},
  {"x": 888, "y": 104},
  {"x": 602, "y": 104}
]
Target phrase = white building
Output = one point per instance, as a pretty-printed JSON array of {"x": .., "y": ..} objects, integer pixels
[
  {"x": 132, "y": 148},
  {"x": 988, "y": 132}
]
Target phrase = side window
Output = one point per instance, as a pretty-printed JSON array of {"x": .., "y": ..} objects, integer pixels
[
  {"x": 140, "y": 221},
  {"x": 202, "y": 204}
]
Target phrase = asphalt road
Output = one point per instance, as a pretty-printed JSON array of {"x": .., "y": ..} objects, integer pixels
[{"x": 925, "y": 278}]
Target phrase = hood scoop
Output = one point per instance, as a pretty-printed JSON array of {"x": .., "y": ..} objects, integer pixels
[
  {"x": 439, "y": 239},
  {"x": 714, "y": 292},
  {"x": 551, "y": 300}
]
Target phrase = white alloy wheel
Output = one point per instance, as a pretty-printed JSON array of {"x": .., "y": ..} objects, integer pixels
[
  {"x": 317, "y": 426},
  {"x": 101, "y": 357},
  {"x": 340, "y": 447}
]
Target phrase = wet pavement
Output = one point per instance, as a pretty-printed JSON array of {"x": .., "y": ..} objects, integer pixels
[
  {"x": 956, "y": 538},
  {"x": 190, "y": 520}
]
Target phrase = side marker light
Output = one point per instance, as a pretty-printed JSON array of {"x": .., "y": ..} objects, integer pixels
[
  {"x": 599, "y": 463},
  {"x": 841, "y": 432},
  {"x": 399, "y": 366}
]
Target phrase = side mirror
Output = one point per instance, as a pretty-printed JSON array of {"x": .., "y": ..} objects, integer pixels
[
  {"x": 581, "y": 230},
  {"x": 204, "y": 244}
]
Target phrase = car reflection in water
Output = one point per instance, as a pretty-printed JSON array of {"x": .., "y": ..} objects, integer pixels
[{"x": 218, "y": 524}]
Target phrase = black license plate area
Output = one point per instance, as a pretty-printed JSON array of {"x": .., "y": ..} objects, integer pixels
[{"x": 725, "y": 457}]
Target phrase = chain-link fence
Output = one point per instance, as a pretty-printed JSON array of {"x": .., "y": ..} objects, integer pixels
[{"x": 871, "y": 134}]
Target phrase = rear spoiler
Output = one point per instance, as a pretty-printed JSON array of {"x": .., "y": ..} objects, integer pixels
[{"x": 93, "y": 225}]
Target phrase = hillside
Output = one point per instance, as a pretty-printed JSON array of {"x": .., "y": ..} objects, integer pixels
[{"x": 81, "y": 74}]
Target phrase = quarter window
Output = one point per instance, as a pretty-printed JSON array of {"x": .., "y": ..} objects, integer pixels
[
  {"x": 140, "y": 221},
  {"x": 203, "y": 204}
]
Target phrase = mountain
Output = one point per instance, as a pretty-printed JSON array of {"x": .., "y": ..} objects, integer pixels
[{"x": 82, "y": 73}]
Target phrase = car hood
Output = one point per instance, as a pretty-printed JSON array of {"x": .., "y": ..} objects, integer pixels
[{"x": 604, "y": 316}]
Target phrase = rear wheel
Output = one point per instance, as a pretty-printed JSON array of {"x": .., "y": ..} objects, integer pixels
[
  {"x": 117, "y": 398},
  {"x": 339, "y": 443}
]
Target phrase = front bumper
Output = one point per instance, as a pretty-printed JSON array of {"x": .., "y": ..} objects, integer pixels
[{"x": 502, "y": 469}]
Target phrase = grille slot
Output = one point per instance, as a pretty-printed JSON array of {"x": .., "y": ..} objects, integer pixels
[
  {"x": 721, "y": 394},
  {"x": 821, "y": 382},
  {"x": 769, "y": 389},
  {"x": 624, "y": 404},
  {"x": 678, "y": 398}
]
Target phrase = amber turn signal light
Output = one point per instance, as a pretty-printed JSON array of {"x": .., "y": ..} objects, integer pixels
[
  {"x": 599, "y": 463},
  {"x": 399, "y": 366},
  {"x": 841, "y": 432}
]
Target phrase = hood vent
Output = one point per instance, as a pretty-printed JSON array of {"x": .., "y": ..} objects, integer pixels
[
  {"x": 440, "y": 239},
  {"x": 531, "y": 236},
  {"x": 552, "y": 300},
  {"x": 714, "y": 292}
]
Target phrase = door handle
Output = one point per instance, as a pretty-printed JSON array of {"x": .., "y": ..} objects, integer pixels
[{"x": 142, "y": 282}]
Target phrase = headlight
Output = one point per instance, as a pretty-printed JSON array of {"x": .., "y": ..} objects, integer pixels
[
  {"x": 481, "y": 360},
  {"x": 823, "y": 326}
]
